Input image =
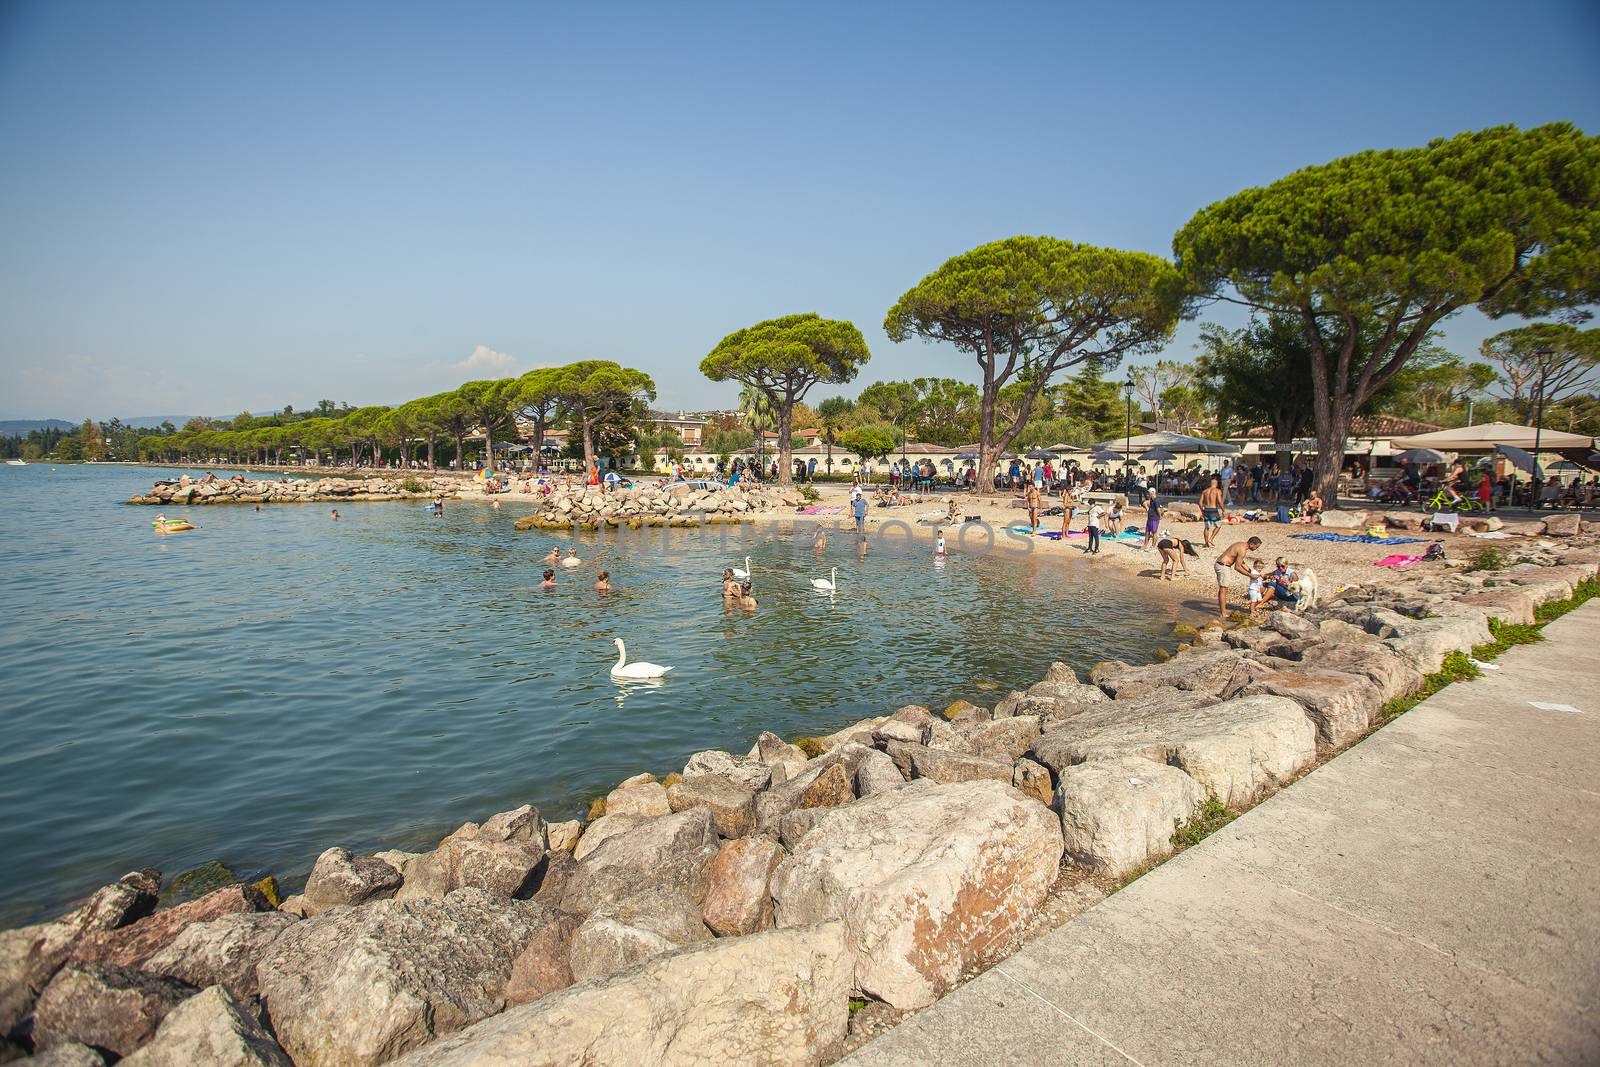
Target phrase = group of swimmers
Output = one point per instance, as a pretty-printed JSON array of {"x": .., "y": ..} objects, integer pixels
[
  {"x": 602, "y": 581},
  {"x": 737, "y": 594}
]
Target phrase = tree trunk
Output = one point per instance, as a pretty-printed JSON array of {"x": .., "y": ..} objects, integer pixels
[
  {"x": 488, "y": 447},
  {"x": 461, "y": 451},
  {"x": 785, "y": 450},
  {"x": 1331, "y": 432},
  {"x": 538, "y": 442},
  {"x": 986, "y": 451},
  {"x": 431, "y": 466},
  {"x": 588, "y": 447}
]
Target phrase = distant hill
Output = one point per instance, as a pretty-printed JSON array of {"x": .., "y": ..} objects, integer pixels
[
  {"x": 11, "y": 427},
  {"x": 142, "y": 422}
]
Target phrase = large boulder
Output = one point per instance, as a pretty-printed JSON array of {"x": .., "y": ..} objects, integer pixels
[
  {"x": 1234, "y": 749},
  {"x": 1118, "y": 814},
  {"x": 1004, "y": 739},
  {"x": 915, "y": 761},
  {"x": 222, "y": 951},
  {"x": 635, "y": 797},
  {"x": 1390, "y": 673},
  {"x": 876, "y": 773},
  {"x": 104, "y": 1005},
  {"x": 1342, "y": 705},
  {"x": 745, "y": 770},
  {"x": 71, "y": 1054},
  {"x": 782, "y": 759},
  {"x": 544, "y": 964},
  {"x": 929, "y": 879},
  {"x": 1566, "y": 525},
  {"x": 1424, "y": 643},
  {"x": 604, "y": 946},
  {"x": 503, "y": 856},
  {"x": 738, "y": 900},
  {"x": 340, "y": 877},
  {"x": 822, "y": 783},
  {"x": 131, "y": 946},
  {"x": 671, "y": 850},
  {"x": 778, "y": 997},
  {"x": 602, "y": 830},
  {"x": 214, "y": 1028},
  {"x": 357, "y": 986},
  {"x": 1213, "y": 671},
  {"x": 731, "y": 803}
]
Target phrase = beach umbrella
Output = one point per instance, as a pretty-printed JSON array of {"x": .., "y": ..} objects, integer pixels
[
  {"x": 1421, "y": 455},
  {"x": 1106, "y": 455},
  {"x": 1520, "y": 459},
  {"x": 1041, "y": 453},
  {"x": 966, "y": 455},
  {"x": 1157, "y": 455}
]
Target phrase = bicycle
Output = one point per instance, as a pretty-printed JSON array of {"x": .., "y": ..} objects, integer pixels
[{"x": 1442, "y": 501}]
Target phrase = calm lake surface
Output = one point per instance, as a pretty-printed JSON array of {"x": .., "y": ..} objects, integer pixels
[{"x": 274, "y": 683}]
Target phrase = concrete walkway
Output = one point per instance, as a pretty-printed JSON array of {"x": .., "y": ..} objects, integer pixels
[{"x": 1430, "y": 896}]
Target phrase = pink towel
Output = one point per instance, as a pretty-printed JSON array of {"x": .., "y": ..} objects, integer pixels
[{"x": 1397, "y": 561}]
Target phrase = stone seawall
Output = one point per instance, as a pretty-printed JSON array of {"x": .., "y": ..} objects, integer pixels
[
  {"x": 664, "y": 505},
  {"x": 728, "y": 911},
  {"x": 187, "y": 490}
]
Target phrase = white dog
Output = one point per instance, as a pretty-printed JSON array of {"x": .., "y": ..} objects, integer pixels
[{"x": 1305, "y": 589}]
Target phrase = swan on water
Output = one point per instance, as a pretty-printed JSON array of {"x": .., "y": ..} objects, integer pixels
[
  {"x": 624, "y": 669},
  {"x": 742, "y": 573},
  {"x": 828, "y": 584}
]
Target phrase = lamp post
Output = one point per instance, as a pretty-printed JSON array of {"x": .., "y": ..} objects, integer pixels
[
  {"x": 1538, "y": 418},
  {"x": 1127, "y": 440}
]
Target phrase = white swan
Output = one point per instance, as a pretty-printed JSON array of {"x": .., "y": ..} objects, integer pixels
[
  {"x": 624, "y": 669},
  {"x": 828, "y": 584},
  {"x": 742, "y": 573}
]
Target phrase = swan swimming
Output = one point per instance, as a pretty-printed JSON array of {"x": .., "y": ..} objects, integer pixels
[
  {"x": 742, "y": 573},
  {"x": 828, "y": 584},
  {"x": 624, "y": 669}
]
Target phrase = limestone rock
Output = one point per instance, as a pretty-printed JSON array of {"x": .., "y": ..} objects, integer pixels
[
  {"x": 339, "y": 877},
  {"x": 820, "y": 783},
  {"x": 544, "y": 965},
  {"x": 71, "y": 1054},
  {"x": 1214, "y": 671},
  {"x": 876, "y": 773},
  {"x": 1342, "y": 705},
  {"x": 1376, "y": 662},
  {"x": 1033, "y": 779},
  {"x": 1426, "y": 642},
  {"x": 797, "y": 824},
  {"x": 1117, "y": 814},
  {"x": 1234, "y": 749},
  {"x": 131, "y": 946},
  {"x": 563, "y": 836},
  {"x": 1005, "y": 739},
  {"x": 1566, "y": 525},
  {"x": 638, "y": 798},
  {"x": 742, "y": 770},
  {"x": 222, "y": 951},
  {"x": 859, "y": 732},
  {"x": 899, "y": 730},
  {"x": 359, "y": 986},
  {"x": 214, "y": 1028},
  {"x": 738, "y": 901},
  {"x": 603, "y": 829},
  {"x": 732, "y": 805},
  {"x": 778, "y": 997},
  {"x": 1338, "y": 519},
  {"x": 603, "y": 946},
  {"x": 782, "y": 758},
  {"x": 961, "y": 711},
  {"x": 674, "y": 850},
  {"x": 929, "y": 880},
  {"x": 947, "y": 767},
  {"x": 104, "y": 1005}
]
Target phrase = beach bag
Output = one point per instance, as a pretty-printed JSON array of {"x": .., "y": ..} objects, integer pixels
[{"x": 1435, "y": 551}]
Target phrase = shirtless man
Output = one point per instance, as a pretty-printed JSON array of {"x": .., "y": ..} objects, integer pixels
[
  {"x": 1234, "y": 558},
  {"x": 1033, "y": 506},
  {"x": 1211, "y": 511}
]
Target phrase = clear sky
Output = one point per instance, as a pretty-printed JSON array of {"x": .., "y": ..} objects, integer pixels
[{"x": 210, "y": 207}]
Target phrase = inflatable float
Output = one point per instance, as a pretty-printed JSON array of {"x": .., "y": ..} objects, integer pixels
[{"x": 171, "y": 525}]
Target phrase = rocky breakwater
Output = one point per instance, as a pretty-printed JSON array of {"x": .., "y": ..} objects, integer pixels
[
  {"x": 665, "y": 505},
  {"x": 728, "y": 911},
  {"x": 187, "y": 490}
]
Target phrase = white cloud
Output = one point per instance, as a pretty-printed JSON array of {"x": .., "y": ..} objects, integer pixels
[{"x": 486, "y": 361}]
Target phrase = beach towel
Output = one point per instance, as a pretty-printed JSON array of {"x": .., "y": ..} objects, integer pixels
[
  {"x": 1494, "y": 535},
  {"x": 821, "y": 509},
  {"x": 1366, "y": 539},
  {"x": 1396, "y": 561}
]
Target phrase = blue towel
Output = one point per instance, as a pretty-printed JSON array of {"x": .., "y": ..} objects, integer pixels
[{"x": 1366, "y": 539}]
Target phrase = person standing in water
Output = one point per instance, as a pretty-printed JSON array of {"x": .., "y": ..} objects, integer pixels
[
  {"x": 938, "y": 545},
  {"x": 602, "y": 582},
  {"x": 859, "y": 506},
  {"x": 549, "y": 579},
  {"x": 335, "y": 514}
]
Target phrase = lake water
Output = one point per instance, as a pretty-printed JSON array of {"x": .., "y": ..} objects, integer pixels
[{"x": 274, "y": 682}]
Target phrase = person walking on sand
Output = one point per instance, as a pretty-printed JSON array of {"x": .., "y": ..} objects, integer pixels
[
  {"x": 1033, "y": 507},
  {"x": 1234, "y": 558},
  {"x": 1211, "y": 505},
  {"x": 1096, "y": 512},
  {"x": 1152, "y": 521},
  {"x": 1069, "y": 505}
]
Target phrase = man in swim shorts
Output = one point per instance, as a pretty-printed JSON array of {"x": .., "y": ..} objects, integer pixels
[
  {"x": 1211, "y": 510},
  {"x": 1233, "y": 558}
]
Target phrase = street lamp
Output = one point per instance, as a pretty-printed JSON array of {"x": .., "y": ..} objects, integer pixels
[
  {"x": 1127, "y": 442},
  {"x": 1543, "y": 355}
]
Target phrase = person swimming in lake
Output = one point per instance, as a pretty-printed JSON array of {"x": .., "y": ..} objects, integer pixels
[
  {"x": 747, "y": 599},
  {"x": 602, "y": 582},
  {"x": 572, "y": 559},
  {"x": 549, "y": 579},
  {"x": 553, "y": 556},
  {"x": 819, "y": 543},
  {"x": 335, "y": 514},
  {"x": 730, "y": 585}
]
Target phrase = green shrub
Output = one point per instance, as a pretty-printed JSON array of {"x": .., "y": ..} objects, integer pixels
[
  {"x": 809, "y": 495},
  {"x": 1586, "y": 591},
  {"x": 1212, "y": 816},
  {"x": 411, "y": 485},
  {"x": 810, "y": 746},
  {"x": 1487, "y": 558}
]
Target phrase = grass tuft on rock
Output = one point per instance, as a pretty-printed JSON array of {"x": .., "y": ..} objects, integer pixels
[
  {"x": 1212, "y": 816},
  {"x": 671, "y": 780},
  {"x": 1455, "y": 668},
  {"x": 1487, "y": 558},
  {"x": 1585, "y": 591},
  {"x": 811, "y": 746},
  {"x": 597, "y": 808}
]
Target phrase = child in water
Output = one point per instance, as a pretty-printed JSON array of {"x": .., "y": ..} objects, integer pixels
[
  {"x": 938, "y": 545},
  {"x": 602, "y": 584},
  {"x": 549, "y": 579}
]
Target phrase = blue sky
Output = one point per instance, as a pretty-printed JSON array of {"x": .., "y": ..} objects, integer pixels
[{"x": 208, "y": 208}]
